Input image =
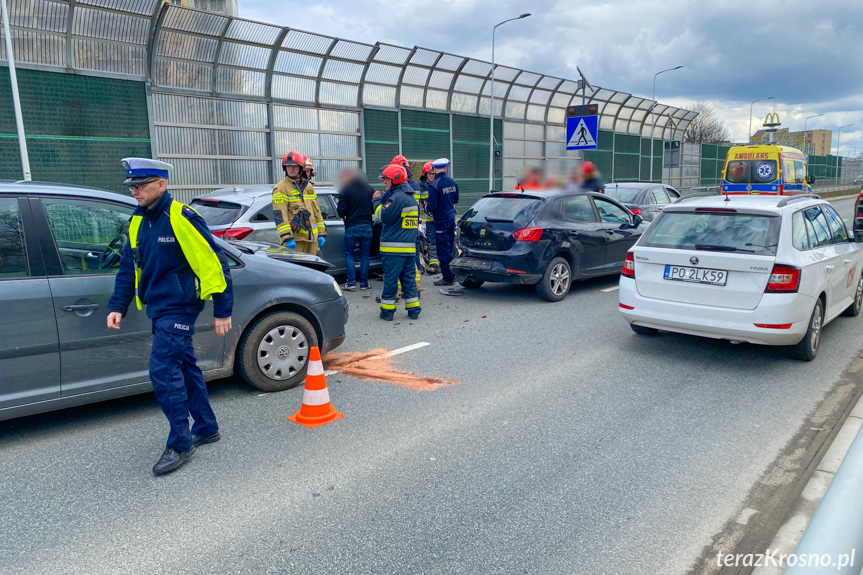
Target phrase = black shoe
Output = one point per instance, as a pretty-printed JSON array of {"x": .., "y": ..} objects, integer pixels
[
  {"x": 443, "y": 283},
  {"x": 172, "y": 460},
  {"x": 387, "y": 316},
  {"x": 414, "y": 314},
  {"x": 199, "y": 440}
]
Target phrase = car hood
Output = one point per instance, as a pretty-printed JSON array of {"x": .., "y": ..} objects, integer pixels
[{"x": 263, "y": 249}]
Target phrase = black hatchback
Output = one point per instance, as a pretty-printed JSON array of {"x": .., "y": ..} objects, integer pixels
[{"x": 543, "y": 238}]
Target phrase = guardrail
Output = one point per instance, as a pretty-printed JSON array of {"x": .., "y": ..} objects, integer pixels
[{"x": 836, "y": 529}]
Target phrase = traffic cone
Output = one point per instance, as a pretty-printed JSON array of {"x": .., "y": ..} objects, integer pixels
[{"x": 316, "y": 409}]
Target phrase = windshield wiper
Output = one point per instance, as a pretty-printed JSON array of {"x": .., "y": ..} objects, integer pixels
[
  {"x": 498, "y": 221},
  {"x": 719, "y": 248}
]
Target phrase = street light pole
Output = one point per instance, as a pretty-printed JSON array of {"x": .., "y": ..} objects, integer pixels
[
  {"x": 750, "y": 115},
  {"x": 653, "y": 115},
  {"x": 839, "y": 136},
  {"x": 491, "y": 111},
  {"x": 16, "y": 101},
  {"x": 806, "y": 133}
]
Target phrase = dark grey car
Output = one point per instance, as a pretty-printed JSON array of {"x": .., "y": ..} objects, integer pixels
[
  {"x": 247, "y": 213},
  {"x": 642, "y": 198},
  {"x": 56, "y": 275}
]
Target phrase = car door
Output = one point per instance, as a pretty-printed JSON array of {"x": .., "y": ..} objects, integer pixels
[
  {"x": 332, "y": 251},
  {"x": 845, "y": 255},
  {"x": 29, "y": 350},
  {"x": 583, "y": 232},
  {"x": 81, "y": 271},
  {"x": 829, "y": 261},
  {"x": 619, "y": 230},
  {"x": 657, "y": 199}
]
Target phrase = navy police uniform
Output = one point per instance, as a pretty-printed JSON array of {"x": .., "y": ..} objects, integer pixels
[
  {"x": 398, "y": 211},
  {"x": 171, "y": 264},
  {"x": 443, "y": 196}
]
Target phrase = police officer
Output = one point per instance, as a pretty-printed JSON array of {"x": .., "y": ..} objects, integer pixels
[
  {"x": 171, "y": 264},
  {"x": 295, "y": 205},
  {"x": 398, "y": 211},
  {"x": 428, "y": 175},
  {"x": 443, "y": 196}
]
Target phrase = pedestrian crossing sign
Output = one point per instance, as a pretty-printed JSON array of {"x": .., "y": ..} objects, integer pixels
[{"x": 581, "y": 132}]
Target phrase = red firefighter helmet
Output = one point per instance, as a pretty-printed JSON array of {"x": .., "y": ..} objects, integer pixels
[
  {"x": 399, "y": 160},
  {"x": 589, "y": 169},
  {"x": 396, "y": 173},
  {"x": 310, "y": 168},
  {"x": 427, "y": 167},
  {"x": 293, "y": 158}
]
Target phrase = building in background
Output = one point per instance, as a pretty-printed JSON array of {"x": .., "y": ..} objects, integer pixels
[
  {"x": 223, "y": 7},
  {"x": 819, "y": 141}
]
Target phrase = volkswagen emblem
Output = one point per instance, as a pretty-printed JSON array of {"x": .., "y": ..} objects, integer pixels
[{"x": 693, "y": 260}]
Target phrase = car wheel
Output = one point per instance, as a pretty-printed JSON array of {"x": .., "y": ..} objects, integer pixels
[
  {"x": 471, "y": 283},
  {"x": 274, "y": 352},
  {"x": 853, "y": 310},
  {"x": 807, "y": 349},
  {"x": 641, "y": 330},
  {"x": 556, "y": 280}
]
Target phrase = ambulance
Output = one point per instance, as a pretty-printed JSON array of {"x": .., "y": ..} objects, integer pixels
[{"x": 765, "y": 169}]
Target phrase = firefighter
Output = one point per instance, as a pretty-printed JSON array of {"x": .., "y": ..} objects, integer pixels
[
  {"x": 295, "y": 205},
  {"x": 420, "y": 197},
  {"x": 310, "y": 169},
  {"x": 428, "y": 176},
  {"x": 443, "y": 196},
  {"x": 171, "y": 264},
  {"x": 398, "y": 211}
]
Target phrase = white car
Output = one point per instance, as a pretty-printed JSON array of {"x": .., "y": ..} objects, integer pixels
[{"x": 770, "y": 270}]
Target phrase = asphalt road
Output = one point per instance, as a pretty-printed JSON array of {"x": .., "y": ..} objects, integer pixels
[{"x": 570, "y": 445}]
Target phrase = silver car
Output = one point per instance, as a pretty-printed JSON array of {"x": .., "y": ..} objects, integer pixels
[
  {"x": 57, "y": 273},
  {"x": 247, "y": 213}
]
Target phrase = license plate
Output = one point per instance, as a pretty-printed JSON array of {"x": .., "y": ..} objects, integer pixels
[{"x": 696, "y": 275}]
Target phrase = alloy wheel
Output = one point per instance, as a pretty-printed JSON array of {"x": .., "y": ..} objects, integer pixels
[{"x": 559, "y": 279}]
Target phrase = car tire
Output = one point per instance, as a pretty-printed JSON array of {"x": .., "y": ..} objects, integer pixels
[
  {"x": 471, "y": 283},
  {"x": 274, "y": 352},
  {"x": 641, "y": 330},
  {"x": 807, "y": 349},
  {"x": 556, "y": 280},
  {"x": 853, "y": 310}
]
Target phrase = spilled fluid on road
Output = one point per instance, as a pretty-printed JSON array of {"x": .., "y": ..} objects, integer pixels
[{"x": 375, "y": 366}]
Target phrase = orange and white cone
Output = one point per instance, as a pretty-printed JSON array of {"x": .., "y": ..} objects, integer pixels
[{"x": 316, "y": 409}]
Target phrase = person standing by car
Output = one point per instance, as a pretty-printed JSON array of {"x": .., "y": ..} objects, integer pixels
[
  {"x": 171, "y": 264},
  {"x": 592, "y": 181},
  {"x": 398, "y": 211},
  {"x": 295, "y": 207},
  {"x": 428, "y": 175},
  {"x": 420, "y": 197},
  {"x": 355, "y": 208},
  {"x": 443, "y": 196},
  {"x": 576, "y": 180}
]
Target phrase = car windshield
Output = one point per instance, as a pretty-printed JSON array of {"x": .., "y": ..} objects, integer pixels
[
  {"x": 751, "y": 171},
  {"x": 625, "y": 195},
  {"x": 714, "y": 231},
  {"x": 218, "y": 213},
  {"x": 514, "y": 209}
]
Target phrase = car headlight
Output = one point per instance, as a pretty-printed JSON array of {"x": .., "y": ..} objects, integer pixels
[{"x": 337, "y": 288}]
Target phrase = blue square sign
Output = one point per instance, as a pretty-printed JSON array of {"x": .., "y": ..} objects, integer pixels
[{"x": 581, "y": 132}]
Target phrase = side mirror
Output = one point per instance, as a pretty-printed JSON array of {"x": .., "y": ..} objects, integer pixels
[
  {"x": 810, "y": 179},
  {"x": 636, "y": 220}
]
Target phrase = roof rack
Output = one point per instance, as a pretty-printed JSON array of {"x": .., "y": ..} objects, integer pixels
[{"x": 798, "y": 198}]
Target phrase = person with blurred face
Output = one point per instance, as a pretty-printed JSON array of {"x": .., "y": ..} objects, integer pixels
[{"x": 355, "y": 208}]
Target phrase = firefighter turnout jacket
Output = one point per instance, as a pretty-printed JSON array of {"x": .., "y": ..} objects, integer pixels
[
  {"x": 398, "y": 211},
  {"x": 289, "y": 198}
]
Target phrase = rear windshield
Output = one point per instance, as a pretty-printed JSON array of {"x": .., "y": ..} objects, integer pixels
[
  {"x": 751, "y": 172},
  {"x": 714, "y": 231},
  {"x": 218, "y": 213},
  {"x": 517, "y": 210},
  {"x": 625, "y": 195}
]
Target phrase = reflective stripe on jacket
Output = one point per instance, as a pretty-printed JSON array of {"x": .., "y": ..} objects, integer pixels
[
  {"x": 398, "y": 211},
  {"x": 291, "y": 196}
]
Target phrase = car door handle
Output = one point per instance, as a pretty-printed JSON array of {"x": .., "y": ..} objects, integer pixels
[
  {"x": 847, "y": 262},
  {"x": 828, "y": 268},
  {"x": 94, "y": 255},
  {"x": 610, "y": 232},
  {"x": 81, "y": 307},
  {"x": 573, "y": 234}
]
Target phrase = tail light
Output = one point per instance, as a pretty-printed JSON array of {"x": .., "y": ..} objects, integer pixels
[
  {"x": 528, "y": 235},
  {"x": 628, "y": 266},
  {"x": 233, "y": 233},
  {"x": 636, "y": 211},
  {"x": 783, "y": 279}
]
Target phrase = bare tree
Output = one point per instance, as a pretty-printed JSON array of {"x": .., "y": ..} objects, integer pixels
[{"x": 706, "y": 128}]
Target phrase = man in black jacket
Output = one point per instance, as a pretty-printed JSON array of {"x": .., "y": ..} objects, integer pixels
[{"x": 355, "y": 208}]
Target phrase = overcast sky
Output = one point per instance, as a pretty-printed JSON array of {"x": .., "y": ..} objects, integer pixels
[{"x": 809, "y": 55}]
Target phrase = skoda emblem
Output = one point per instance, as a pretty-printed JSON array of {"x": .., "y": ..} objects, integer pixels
[
  {"x": 482, "y": 232},
  {"x": 693, "y": 260}
]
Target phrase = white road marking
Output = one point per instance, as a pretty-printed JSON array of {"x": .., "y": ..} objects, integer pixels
[
  {"x": 611, "y": 289},
  {"x": 398, "y": 351}
]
